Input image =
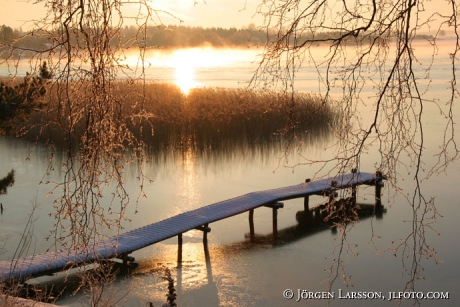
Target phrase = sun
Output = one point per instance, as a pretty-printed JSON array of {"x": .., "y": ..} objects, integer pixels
[{"x": 187, "y": 67}]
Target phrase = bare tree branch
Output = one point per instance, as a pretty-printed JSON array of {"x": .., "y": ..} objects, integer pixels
[{"x": 370, "y": 47}]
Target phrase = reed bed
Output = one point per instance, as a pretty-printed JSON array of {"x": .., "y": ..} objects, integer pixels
[{"x": 161, "y": 116}]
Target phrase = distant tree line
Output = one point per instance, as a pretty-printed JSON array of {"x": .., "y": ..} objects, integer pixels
[
  {"x": 156, "y": 36},
  {"x": 172, "y": 36},
  {"x": 183, "y": 36},
  {"x": 17, "y": 38}
]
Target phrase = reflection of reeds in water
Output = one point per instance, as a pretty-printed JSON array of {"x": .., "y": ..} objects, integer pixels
[{"x": 208, "y": 118}]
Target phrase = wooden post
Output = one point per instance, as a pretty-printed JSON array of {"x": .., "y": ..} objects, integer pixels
[
  {"x": 275, "y": 222},
  {"x": 251, "y": 225},
  {"x": 378, "y": 188},
  {"x": 332, "y": 192},
  {"x": 205, "y": 233},
  {"x": 353, "y": 188},
  {"x": 179, "y": 250},
  {"x": 275, "y": 208},
  {"x": 306, "y": 199},
  {"x": 317, "y": 213},
  {"x": 127, "y": 258},
  {"x": 205, "y": 229}
]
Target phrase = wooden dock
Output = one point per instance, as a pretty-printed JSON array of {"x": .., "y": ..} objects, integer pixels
[{"x": 19, "y": 270}]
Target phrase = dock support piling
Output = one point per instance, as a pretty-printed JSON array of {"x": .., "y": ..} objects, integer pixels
[
  {"x": 125, "y": 257},
  {"x": 353, "y": 188},
  {"x": 332, "y": 192},
  {"x": 306, "y": 199},
  {"x": 378, "y": 188},
  {"x": 275, "y": 208},
  {"x": 205, "y": 233},
  {"x": 353, "y": 195},
  {"x": 179, "y": 250},
  {"x": 275, "y": 222},
  {"x": 251, "y": 225}
]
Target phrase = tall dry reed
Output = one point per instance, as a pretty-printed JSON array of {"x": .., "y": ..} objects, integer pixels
[{"x": 205, "y": 118}]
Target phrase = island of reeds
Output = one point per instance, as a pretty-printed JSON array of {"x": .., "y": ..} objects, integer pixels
[{"x": 205, "y": 118}]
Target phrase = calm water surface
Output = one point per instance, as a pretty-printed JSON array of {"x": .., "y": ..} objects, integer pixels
[{"x": 235, "y": 272}]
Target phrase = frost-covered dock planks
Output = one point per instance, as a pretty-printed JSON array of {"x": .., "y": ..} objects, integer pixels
[{"x": 122, "y": 245}]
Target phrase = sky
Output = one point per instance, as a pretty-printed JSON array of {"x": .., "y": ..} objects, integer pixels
[{"x": 205, "y": 13}]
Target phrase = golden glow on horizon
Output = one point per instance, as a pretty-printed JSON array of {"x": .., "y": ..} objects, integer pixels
[
  {"x": 187, "y": 61},
  {"x": 185, "y": 67}
]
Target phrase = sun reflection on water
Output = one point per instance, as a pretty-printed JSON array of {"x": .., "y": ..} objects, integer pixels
[{"x": 186, "y": 187}]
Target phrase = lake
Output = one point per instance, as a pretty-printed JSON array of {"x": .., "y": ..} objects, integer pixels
[{"x": 234, "y": 271}]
